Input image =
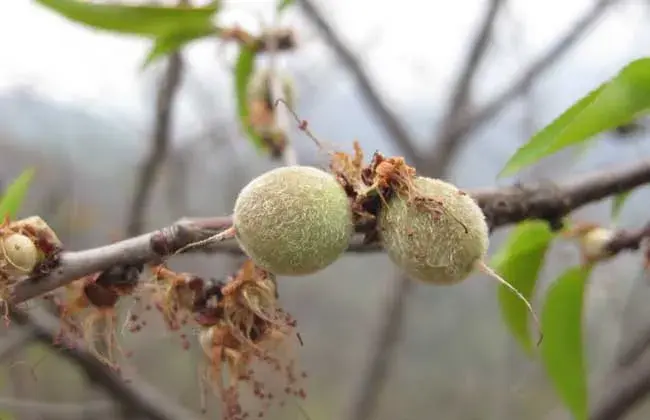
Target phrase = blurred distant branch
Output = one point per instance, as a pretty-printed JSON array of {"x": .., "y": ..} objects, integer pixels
[
  {"x": 136, "y": 394},
  {"x": 626, "y": 387},
  {"x": 447, "y": 141},
  {"x": 472, "y": 122},
  {"x": 502, "y": 206},
  {"x": 385, "y": 116},
  {"x": 159, "y": 143}
]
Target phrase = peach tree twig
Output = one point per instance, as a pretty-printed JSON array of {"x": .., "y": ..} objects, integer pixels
[
  {"x": 465, "y": 126},
  {"x": 136, "y": 394},
  {"x": 160, "y": 142},
  {"x": 502, "y": 206}
]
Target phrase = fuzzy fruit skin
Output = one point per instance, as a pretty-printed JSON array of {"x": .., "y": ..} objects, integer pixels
[
  {"x": 20, "y": 254},
  {"x": 293, "y": 220},
  {"x": 430, "y": 248}
]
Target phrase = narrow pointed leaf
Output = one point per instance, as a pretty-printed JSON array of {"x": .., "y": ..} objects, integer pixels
[
  {"x": 519, "y": 262},
  {"x": 144, "y": 20},
  {"x": 15, "y": 193},
  {"x": 166, "y": 45},
  {"x": 562, "y": 351},
  {"x": 615, "y": 102},
  {"x": 243, "y": 72}
]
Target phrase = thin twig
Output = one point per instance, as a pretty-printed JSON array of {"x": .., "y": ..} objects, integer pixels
[
  {"x": 137, "y": 394},
  {"x": 534, "y": 71},
  {"x": 625, "y": 389},
  {"x": 160, "y": 140},
  {"x": 385, "y": 116},
  {"x": 445, "y": 139}
]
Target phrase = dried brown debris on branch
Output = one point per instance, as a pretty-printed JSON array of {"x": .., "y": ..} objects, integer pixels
[
  {"x": 89, "y": 304},
  {"x": 241, "y": 328}
]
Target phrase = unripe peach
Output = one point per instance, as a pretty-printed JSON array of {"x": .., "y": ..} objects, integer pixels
[
  {"x": 438, "y": 234},
  {"x": 438, "y": 239},
  {"x": 293, "y": 220}
]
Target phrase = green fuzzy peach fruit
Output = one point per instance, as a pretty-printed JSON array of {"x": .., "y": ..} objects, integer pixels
[
  {"x": 293, "y": 220},
  {"x": 442, "y": 246}
]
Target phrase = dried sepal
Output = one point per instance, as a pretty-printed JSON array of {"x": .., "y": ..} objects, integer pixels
[
  {"x": 370, "y": 186},
  {"x": 174, "y": 295},
  {"x": 87, "y": 309},
  {"x": 242, "y": 330}
]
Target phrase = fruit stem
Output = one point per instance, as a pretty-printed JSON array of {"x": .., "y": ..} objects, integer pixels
[
  {"x": 485, "y": 269},
  {"x": 224, "y": 235}
]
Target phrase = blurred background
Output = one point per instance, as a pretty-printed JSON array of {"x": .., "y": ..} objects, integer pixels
[{"x": 75, "y": 104}]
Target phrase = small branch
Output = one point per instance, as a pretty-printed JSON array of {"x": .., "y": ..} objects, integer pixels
[
  {"x": 502, "y": 206},
  {"x": 384, "y": 115},
  {"x": 628, "y": 240},
  {"x": 536, "y": 69},
  {"x": 626, "y": 388},
  {"x": 448, "y": 142},
  {"x": 159, "y": 143},
  {"x": 136, "y": 394}
]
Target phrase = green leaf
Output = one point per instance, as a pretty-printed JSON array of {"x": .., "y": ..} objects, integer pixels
[
  {"x": 562, "y": 351},
  {"x": 519, "y": 262},
  {"x": 617, "y": 203},
  {"x": 141, "y": 20},
  {"x": 15, "y": 193},
  {"x": 282, "y": 4},
  {"x": 614, "y": 103},
  {"x": 166, "y": 45},
  {"x": 243, "y": 72}
]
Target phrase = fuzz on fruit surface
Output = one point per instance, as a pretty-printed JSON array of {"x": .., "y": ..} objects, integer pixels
[
  {"x": 293, "y": 220},
  {"x": 437, "y": 234}
]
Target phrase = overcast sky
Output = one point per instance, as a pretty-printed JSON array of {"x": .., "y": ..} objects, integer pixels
[{"x": 411, "y": 47}]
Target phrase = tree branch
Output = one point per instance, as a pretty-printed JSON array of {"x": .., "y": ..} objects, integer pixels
[
  {"x": 502, "y": 206},
  {"x": 536, "y": 69},
  {"x": 384, "y": 115},
  {"x": 448, "y": 142},
  {"x": 138, "y": 395},
  {"x": 625, "y": 389},
  {"x": 159, "y": 143}
]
